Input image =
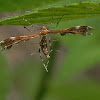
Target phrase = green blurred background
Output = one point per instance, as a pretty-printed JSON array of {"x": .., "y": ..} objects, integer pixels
[{"x": 74, "y": 73}]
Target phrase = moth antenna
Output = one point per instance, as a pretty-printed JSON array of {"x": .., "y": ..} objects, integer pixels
[
  {"x": 59, "y": 21},
  {"x": 28, "y": 23},
  {"x": 27, "y": 29},
  {"x": 52, "y": 19}
]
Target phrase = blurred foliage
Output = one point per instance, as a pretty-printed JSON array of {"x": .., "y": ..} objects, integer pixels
[
  {"x": 86, "y": 49},
  {"x": 83, "y": 53},
  {"x": 80, "y": 90},
  {"x": 4, "y": 78},
  {"x": 70, "y": 12},
  {"x": 17, "y": 5}
]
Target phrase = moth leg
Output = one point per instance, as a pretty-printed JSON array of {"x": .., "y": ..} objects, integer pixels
[
  {"x": 45, "y": 66},
  {"x": 51, "y": 48}
]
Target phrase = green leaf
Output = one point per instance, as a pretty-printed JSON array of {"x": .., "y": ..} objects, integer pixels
[{"x": 73, "y": 11}]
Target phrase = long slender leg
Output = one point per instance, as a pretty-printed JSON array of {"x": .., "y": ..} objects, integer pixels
[
  {"x": 51, "y": 48},
  {"x": 34, "y": 53},
  {"x": 45, "y": 66}
]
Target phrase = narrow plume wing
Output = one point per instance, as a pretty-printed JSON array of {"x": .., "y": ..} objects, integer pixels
[
  {"x": 78, "y": 30},
  {"x": 7, "y": 43}
]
